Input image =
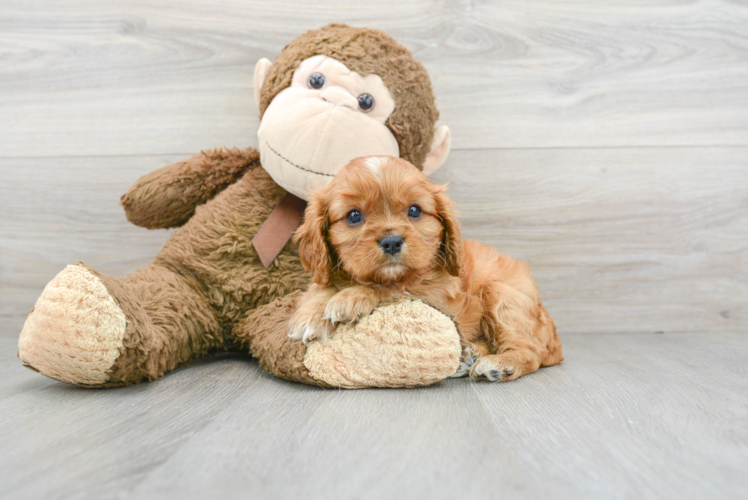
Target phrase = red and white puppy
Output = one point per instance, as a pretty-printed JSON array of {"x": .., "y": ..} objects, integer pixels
[{"x": 381, "y": 228}]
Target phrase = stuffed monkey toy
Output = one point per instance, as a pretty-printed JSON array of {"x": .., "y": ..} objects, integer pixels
[{"x": 230, "y": 277}]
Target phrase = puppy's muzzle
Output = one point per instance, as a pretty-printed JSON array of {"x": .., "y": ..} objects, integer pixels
[{"x": 392, "y": 244}]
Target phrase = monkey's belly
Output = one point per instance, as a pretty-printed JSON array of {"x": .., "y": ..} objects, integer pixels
[{"x": 215, "y": 247}]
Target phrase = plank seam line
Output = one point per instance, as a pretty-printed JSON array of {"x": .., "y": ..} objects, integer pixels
[{"x": 186, "y": 154}]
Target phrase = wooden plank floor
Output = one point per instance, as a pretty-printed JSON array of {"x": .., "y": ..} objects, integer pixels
[{"x": 625, "y": 416}]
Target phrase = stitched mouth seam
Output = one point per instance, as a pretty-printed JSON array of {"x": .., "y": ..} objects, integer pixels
[{"x": 293, "y": 164}]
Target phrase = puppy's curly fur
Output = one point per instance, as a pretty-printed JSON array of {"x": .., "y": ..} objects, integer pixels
[{"x": 381, "y": 228}]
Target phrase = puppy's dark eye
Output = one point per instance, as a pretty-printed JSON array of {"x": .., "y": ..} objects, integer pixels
[
  {"x": 366, "y": 102},
  {"x": 354, "y": 217},
  {"x": 317, "y": 81},
  {"x": 414, "y": 212}
]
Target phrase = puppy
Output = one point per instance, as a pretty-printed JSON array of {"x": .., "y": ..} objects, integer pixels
[{"x": 381, "y": 228}]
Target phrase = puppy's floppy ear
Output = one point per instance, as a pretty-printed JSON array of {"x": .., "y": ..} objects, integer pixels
[
  {"x": 312, "y": 239},
  {"x": 451, "y": 246}
]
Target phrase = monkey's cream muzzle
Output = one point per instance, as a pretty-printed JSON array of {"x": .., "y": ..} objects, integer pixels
[{"x": 307, "y": 135}]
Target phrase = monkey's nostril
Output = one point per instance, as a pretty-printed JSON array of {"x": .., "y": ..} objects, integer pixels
[{"x": 392, "y": 244}]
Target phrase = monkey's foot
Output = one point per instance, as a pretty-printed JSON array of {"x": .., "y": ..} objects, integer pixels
[{"x": 75, "y": 332}]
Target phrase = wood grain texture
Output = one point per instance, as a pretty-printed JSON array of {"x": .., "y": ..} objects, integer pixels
[
  {"x": 58, "y": 211},
  {"x": 620, "y": 240},
  {"x": 138, "y": 77},
  {"x": 625, "y": 416}
]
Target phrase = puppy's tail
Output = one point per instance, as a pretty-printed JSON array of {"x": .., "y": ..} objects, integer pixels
[{"x": 554, "y": 353}]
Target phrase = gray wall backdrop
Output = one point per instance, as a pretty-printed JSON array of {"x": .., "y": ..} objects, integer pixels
[{"x": 605, "y": 143}]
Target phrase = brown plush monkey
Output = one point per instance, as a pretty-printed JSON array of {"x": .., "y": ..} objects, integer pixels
[{"x": 230, "y": 278}]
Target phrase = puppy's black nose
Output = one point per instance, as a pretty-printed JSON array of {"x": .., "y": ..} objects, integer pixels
[{"x": 392, "y": 244}]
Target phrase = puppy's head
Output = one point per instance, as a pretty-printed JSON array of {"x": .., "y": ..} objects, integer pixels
[{"x": 379, "y": 221}]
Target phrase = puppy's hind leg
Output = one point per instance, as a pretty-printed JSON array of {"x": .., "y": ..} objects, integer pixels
[
  {"x": 523, "y": 336},
  {"x": 505, "y": 367},
  {"x": 468, "y": 359},
  {"x": 471, "y": 352}
]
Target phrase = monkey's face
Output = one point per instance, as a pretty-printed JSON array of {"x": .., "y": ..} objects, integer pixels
[{"x": 327, "y": 117}]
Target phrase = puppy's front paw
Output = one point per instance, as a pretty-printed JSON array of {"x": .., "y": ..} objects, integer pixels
[
  {"x": 350, "y": 305},
  {"x": 308, "y": 329},
  {"x": 494, "y": 368},
  {"x": 469, "y": 357}
]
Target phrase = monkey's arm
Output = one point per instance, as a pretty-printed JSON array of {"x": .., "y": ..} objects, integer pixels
[{"x": 167, "y": 197}]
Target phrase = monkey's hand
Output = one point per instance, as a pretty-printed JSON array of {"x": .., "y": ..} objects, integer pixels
[
  {"x": 308, "y": 322},
  {"x": 167, "y": 197},
  {"x": 351, "y": 304}
]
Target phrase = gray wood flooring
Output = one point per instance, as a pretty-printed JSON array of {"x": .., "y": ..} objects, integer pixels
[
  {"x": 606, "y": 143},
  {"x": 627, "y": 416}
]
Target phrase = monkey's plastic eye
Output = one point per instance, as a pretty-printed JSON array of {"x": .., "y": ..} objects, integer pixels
[
  {"x": 414, "y": 212},
  {"x": 316, "y": 81},
  {"x": 354, "y": 217},
  {"x": 366, "y": 102}
]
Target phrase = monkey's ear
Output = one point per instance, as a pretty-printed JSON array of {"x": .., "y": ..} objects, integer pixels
[
  {"x": 261, "y": 69},
  {"x": 440, "y": 146},
  {"x": 312, "y": 240},
  {"x": 451, "y": 246}
]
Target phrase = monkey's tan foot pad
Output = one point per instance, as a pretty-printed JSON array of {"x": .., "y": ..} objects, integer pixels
[
  {"x": 75, "y": 331},
  {"x": 407, "y": 344}
]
